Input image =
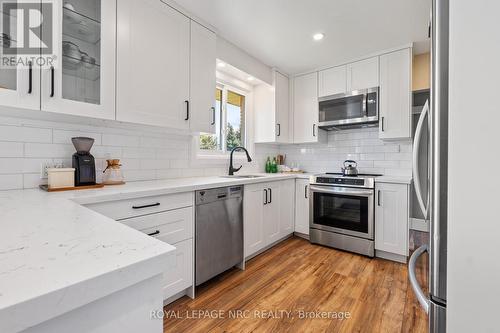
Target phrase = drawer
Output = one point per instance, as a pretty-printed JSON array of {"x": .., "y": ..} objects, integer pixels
[
  {"x": 171, "y": 227},
  {"x": 122, "y": 209},
  {"x": 180, "y": 276}
]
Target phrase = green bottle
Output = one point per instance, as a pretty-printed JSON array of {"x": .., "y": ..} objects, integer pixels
[
  {"x": 274, "y": 166},
  {"x": 268, "y": 165}
]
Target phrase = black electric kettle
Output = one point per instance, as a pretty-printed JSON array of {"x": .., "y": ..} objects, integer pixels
[{"x": 350, "y": 168}]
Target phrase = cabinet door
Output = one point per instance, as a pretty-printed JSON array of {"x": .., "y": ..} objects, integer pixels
[
  {"x": 180, "y": 276},
  {"x": 265, "y": 129},
  {"x": 202, "y": 79},
  {"x": 152, "y": 64},
  {"x": 391, "y": 218},
  {"x": 302, "y": 206},
  {"x": 253, "y": 204},
  {"x": 363, "y": 74},
  {"x": 82, "y": 80},
  {"x": 333, "y": 81},
  {"x": 306, "y": 112},
  {"x": 272, "y": 213},
  {"x": 287, "y": 202},
  {"x": 19, "y": 86},
  {"x": 282, "y": 96},
  {"x": 395, "y": 95}
]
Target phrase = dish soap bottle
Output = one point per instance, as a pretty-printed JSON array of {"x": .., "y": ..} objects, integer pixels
[
  {"x": 268, "y": 165},
  {"x": 274, "y": 166}
]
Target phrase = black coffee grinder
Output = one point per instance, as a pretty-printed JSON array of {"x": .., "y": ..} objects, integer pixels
[{"x": 83, "y": 161}]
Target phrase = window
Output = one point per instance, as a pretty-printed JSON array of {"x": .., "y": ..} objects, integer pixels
[{"x": 229, "y": 121}]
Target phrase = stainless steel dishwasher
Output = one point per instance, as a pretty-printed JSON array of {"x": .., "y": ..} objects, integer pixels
[{"x": 218, "y": 230}]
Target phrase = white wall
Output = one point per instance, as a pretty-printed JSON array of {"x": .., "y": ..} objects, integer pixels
[
  {"x": 362, "y": 145},
  {"x": 474, "y": 141}
]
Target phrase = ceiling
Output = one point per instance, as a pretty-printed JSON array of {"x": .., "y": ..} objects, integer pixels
[{"x": 279, "y": 32}]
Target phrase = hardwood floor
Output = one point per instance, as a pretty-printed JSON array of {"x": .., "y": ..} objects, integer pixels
[{"x": 296, "y": 276}]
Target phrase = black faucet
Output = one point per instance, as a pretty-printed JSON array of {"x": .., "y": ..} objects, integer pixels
[{"x": 232, "y": 170}]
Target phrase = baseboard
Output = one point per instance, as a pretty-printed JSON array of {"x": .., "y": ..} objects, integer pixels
[
  {"x": 419, "y": 225},
  {"x": 301, "y": 235},
  {"x": 185, "y": 292},
  {"x": 391, "y": 256},
  {"x": 268, "y": 247}
]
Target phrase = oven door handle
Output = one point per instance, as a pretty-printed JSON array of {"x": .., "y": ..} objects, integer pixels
[{"x": 343, "y": 191}]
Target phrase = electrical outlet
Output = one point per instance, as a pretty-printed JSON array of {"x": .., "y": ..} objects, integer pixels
[{"x": 43, "y": 169}]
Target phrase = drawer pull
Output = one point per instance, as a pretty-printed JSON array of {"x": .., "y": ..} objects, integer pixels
[
  {"x": 146, "y": 206},
  {"x": 157, "y": 232}
]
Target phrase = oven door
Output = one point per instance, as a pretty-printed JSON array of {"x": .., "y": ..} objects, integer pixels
[
  {"x": 343, "y": 210},
  {"x": 356, "y": 107}
]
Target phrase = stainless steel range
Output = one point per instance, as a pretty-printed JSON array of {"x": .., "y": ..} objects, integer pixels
[{"x": 342, "y": 211}]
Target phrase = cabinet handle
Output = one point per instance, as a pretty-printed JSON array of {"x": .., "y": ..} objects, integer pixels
[
  {"x": 51, "y": 81},
  {"x": 30, "y": 77},
  {"x": 305, "y": 191},
  {"x": 187, "y": 110},
  {"x": 146, "y": 206},
  {"x": 383, "y": 128},
  {"x": 213, "y": 116},
  {"x": 314, "y": 130},
  {"x": 154, "y": 233},
  {"x": 270, "y": 196},
  {"x": 279, "y": 129},
  {"x": 265, "y": 202},
  {"x": 378, "y": 198}
]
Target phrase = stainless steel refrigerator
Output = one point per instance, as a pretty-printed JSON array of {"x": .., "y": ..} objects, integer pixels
[{"x": 434, "y": 203}]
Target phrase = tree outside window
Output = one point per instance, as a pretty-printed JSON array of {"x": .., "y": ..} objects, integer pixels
[{"x": 229, "y": 122}]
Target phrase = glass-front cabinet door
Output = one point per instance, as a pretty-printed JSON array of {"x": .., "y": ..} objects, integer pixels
[
  {"x": 81, "y": 81},
  {"x": 19, "y": 80}
]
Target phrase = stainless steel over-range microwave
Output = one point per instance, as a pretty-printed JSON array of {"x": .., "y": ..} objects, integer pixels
[{"x": 358, "y": 107}]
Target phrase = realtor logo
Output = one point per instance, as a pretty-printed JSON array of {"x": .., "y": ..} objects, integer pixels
[{"x": 27, "y": 28}]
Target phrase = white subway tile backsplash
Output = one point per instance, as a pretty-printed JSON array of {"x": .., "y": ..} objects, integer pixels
[
  {"x": 139, "y": 152},
  {"x": 64, "y": 136},
  {"x": 25, "y": 134},
  {"x": 120, "y": 140},
  {"x": 48, "y": 150},
  {"x": 11, "y": 182},
  {"x": 11, "y": 149}
]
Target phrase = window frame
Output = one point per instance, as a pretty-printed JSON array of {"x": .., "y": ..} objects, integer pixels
[{"x": 222, "y": 154}]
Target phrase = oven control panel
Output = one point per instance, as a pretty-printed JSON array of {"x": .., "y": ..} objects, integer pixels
[{"x": 340, "y": 181}]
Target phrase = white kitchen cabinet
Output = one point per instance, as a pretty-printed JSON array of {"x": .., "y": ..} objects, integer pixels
[
  {"x": 287, "y": 203},
  {"x": 395, "y": 95},
  {"x": 152, "y": 64},
  {"x": 363, "y": 74},
  {"x": 253, "y": 218},
  {"x": 302, "y": 206},
  {"x": 268, "y": 214},
  {"x": 305, "y": 109},
  {"x": 333, "y": 81},
  {"x": 202, "y": 79},
  {"x": 272, "y": 111},
  {"x": 82, "y": 81},
  {"x": 180, "y": 277},
  {"x": 272, "y": 210},
  {"x": 391, "y": 220}
]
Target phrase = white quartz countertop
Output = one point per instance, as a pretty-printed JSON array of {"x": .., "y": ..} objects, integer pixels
[
  {"x": 57, "y": 255},
  {"x": 394, "y": 179}
]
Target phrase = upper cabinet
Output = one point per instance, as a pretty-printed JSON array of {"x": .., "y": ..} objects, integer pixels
[
  {"x": 272, "y": 111},
  {"x": 358, "y": 75},
  {"x": 395, "y": 95},
  {"x": 202, "y": 79},
  {"x": 82, "y": 80},
  {"x": 363, "y": 74},
  {"x": 333, "y": 81},
  {"x": 19, "y": 85},
  {"x": 305, "y": 109},
  {"x": 152, "y": 64}
]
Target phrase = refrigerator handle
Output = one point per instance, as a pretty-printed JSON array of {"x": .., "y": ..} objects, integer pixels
[
  {"x": 422, "y": 299},
  {"x": 416, "y": 172}
]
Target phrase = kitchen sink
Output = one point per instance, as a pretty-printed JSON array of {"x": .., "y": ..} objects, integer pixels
[{"x": 243, "y": 176}]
